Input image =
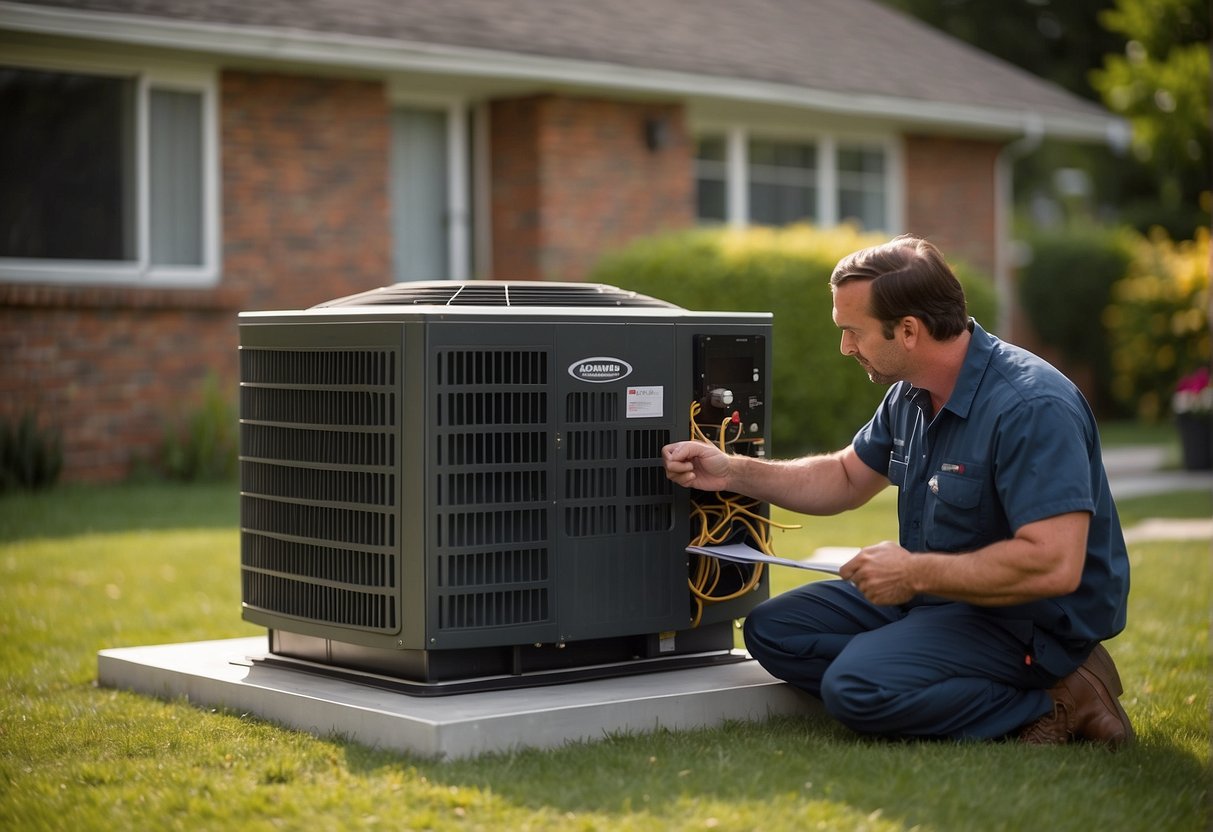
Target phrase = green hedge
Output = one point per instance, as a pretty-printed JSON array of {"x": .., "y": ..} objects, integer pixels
[
  {"x": 1065, "y": 286},
  {"x": 820, "y": 398}
]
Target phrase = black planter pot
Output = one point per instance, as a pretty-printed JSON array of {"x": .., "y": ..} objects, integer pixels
[{"x": 1195, "y": 440}]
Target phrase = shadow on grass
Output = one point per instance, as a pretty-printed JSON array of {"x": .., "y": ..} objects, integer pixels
[
  {"x": 810, "y": 768},
  {"x": 69, "y": 510}
]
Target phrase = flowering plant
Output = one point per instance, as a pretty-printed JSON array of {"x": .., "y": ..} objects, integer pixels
[{"x": 1193, "y": 393}]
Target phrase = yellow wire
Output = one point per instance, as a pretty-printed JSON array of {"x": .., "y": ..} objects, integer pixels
[{"x": 716, "y": 524}]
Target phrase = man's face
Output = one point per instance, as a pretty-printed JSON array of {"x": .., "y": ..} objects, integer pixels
[{"x": 884, "y": 360}]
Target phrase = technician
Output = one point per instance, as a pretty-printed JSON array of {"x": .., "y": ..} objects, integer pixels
[{"x": 985, "y": 619}]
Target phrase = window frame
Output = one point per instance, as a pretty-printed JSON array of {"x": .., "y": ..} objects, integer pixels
[
  {"x": 737, "y": 139},
  {"x": 139, "y": 272}
]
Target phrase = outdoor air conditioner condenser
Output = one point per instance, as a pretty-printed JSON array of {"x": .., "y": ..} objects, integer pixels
[{"x": 450, "y": 484}]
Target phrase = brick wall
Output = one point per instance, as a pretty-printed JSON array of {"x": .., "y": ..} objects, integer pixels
[
  {"x": 109, "y": 368},
  {"x": 305, "y": 219},
  {"x": 574, "y": 177},
  {"x": 950, "y": 191},
  {"x": 305, "y": 177}
]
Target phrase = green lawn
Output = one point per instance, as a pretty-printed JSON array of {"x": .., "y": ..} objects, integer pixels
[{"x": 83, "y": 569}]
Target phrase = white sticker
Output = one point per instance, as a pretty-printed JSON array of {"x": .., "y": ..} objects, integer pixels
[{"x": 645, "y": 402}]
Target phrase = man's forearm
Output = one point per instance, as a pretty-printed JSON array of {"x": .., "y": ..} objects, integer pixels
[
  {"x": 1043, "y": 561},
  {"x": 821, "y": 485}
]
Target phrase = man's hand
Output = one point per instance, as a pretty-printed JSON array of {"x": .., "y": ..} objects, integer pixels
[
  {"x": 696, "y": 465},
  {"x": 882, "y": 573}
]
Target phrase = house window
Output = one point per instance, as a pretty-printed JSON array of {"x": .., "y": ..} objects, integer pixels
[
  {"x": 749, "y": 179},
  {"x": 861, "y": 186},
  {"x": 710, "y": 177},
  {"x": 783, "y": 182},
  {"x": 105, "y": 178}
]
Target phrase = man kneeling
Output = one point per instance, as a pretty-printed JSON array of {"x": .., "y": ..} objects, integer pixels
[{"x": 985, "y": 619}]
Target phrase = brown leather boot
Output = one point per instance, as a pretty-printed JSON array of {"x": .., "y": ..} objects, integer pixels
[{"x": 1085, "y": 707}]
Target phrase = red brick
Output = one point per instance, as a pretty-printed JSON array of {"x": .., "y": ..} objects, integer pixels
[
  {"x": 305, "y": 219},
  {"x": 573, "y": 178},
  {"x": 950, "y": 193}
]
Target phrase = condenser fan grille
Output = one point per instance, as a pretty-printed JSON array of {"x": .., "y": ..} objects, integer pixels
[{"x": 499, "y": 293}]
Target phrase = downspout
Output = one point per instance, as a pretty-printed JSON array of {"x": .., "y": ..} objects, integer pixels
[{"x": 1004, "y": 176}]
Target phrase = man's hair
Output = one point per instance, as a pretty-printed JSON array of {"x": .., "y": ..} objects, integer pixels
[{"x": 909, "y": 278}]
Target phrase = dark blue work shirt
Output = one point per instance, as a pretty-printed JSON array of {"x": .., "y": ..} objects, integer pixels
[{"x": 1014, "y": 444}]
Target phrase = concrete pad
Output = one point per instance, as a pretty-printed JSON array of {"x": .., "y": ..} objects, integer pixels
[{"x": 222, "y": 674}]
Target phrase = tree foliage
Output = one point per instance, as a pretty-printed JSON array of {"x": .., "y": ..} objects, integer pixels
[
  {"x": 1058, "y": 41},
  {"x": 1147, "y": 60},
  {"x": 1160, "y": 82}
]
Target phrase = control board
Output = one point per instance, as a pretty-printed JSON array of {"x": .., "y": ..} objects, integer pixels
[{"x": 730, "y": 391}]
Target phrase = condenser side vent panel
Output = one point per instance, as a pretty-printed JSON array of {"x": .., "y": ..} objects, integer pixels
[
  {"x": 319, "y": 449},
  {"x": 492, "y": 529}
]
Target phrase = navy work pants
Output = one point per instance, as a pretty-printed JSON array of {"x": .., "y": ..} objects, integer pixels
[{"x": 935, "y": 670}]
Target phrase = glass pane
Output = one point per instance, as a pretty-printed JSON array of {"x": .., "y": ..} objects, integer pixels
[
  {"x": 800, "y": 155},
  {"x": 710, "y": 148},
  {"x": 175, "y": 125},
  {"x": 782, "y": 182},
  {"x": 419, "y": 194},
  {"x": 861, "y": 187},
  {"x": 711, "y": 173},
  {"x": 863, "y": 207},
  {"x": 781, "y": 204},
  {"x": 861, "y": 160},
  {"x": 710, "y": 200},
  {"x": 67, "y": 161}
]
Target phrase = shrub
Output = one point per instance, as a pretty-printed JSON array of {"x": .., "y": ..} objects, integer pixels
[
  {"x": 203, "y": 445},
  {"x": 1068, "y": 280},
  {"x": 31, "y": 457},
  {"x": 819, "y": 399},
  {"x": 1158, "y": 321}
]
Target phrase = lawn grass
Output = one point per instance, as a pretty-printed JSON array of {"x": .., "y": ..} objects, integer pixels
[
  {"x": 1118, "y": 434},
  {"x": 84, "y": 569}
]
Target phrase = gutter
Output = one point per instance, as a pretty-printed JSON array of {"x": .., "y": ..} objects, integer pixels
[
  {"x": 1117, "y": 136},
  {"x": 1004, "y": 176},
  {"x": 387, "y": 55}
]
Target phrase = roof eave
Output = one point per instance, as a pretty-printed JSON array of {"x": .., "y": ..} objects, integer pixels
[{"x": 369, "y": 53}]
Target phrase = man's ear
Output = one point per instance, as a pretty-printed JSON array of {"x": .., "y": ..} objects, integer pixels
[{"x": 910, "y": 329}]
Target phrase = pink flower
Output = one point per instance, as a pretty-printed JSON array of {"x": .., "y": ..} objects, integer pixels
[
  {"x": 1194, "y": 382},
  {"x": 1193, "y": 393}
]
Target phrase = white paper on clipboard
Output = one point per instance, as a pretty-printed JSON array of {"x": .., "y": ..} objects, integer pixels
[{"x": 828, "y": 560}]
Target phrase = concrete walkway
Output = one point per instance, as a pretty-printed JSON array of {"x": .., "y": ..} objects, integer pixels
[{"x": 1139, "y": 471}]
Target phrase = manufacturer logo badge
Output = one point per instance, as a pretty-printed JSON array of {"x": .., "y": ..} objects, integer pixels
[{"x": 600, "y": 369}]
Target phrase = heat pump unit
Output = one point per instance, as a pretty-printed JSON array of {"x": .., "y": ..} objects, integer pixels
[{"x": 451, "y": 485}]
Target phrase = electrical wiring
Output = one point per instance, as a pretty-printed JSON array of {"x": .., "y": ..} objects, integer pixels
[{"x": 718, "y": 519}]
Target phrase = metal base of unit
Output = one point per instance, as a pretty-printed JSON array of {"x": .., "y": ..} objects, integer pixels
[{"x": 444, "y": 672}]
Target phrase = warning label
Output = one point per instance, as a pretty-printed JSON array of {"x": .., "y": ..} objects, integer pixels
[{"x": 645, "y": 402}]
